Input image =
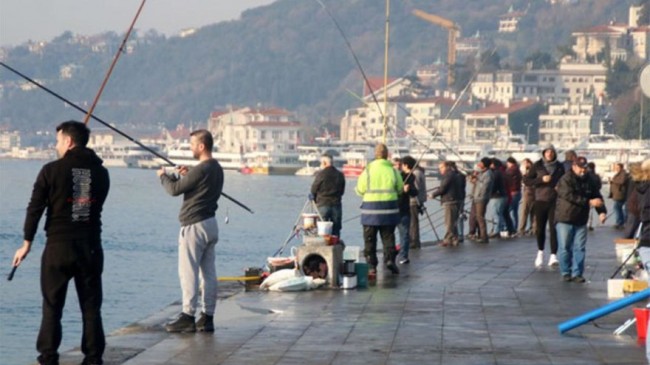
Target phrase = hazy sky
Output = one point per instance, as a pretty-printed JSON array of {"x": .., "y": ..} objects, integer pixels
[{"x": 23, "y": 20}]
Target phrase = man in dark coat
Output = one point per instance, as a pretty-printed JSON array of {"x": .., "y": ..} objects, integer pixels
[
  {"x": 577, "y": 194},
  {"x": 618, "y": 193},
  {"x": 327, "y": 190},
  {"x": 73, "y": 190}
]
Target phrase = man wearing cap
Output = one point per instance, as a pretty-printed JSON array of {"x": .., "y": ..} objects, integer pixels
[
  {"x": 380, "y": 186},
  {"x": 544, "y": 176},
  {"x": 577, "y": 193}
]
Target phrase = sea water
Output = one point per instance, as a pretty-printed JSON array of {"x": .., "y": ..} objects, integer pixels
[{"x": 140, "y": 240}]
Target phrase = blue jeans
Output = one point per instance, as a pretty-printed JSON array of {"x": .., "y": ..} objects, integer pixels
[
  {"x": 645, "y": 259},
  {"x": 572, "y": 242},
  {"x": 334, "y": 214},
  {"x": 404, "y": 241},
  {"x": 500, "y": 211},
  {"x": 513, "y": 210},
  {"x": 620, "y": 212}
]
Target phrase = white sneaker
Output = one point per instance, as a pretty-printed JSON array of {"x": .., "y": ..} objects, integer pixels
[
  {"x": 540, "y": 258},
  {"x": 552, "y": 260}
]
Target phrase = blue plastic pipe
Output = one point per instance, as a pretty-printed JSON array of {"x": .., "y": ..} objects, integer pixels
[{"x": 604, "y": 310}]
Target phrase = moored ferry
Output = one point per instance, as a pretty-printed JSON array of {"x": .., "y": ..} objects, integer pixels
[{"x": 271, "y": 163}]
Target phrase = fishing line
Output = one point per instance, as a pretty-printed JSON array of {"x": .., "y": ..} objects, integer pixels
[{"x": 147, "y": 148}]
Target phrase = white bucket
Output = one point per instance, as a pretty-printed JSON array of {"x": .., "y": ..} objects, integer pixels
[
  {"x": 324, "y": 228},
  {"x": 309, "y": 220},
  {"x": 349, "y": 282}
]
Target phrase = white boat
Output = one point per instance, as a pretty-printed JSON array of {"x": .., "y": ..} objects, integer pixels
[
  {"x": 123, "y": 154},
  {"x": 606, "y": 149},
  {"x": 181, "y": 155},
  {"x": 271, "y": 163},
  {"x": 310, "y": 156}
]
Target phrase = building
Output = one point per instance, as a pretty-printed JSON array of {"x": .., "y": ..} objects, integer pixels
[
  {"x": 509, "y": 22},
  {"x": 489, "y": 124},
  {"x": 624, "y": 40},
  {"x": 567, "y": 124},
  {"x": 571, "y": 82},
  {"x": 248, "y": 129},
  {"x": 9, "y": 140}
]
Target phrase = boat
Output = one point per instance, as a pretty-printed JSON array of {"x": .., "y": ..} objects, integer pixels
[
  {"x": 310, "y": 155},
  {"x": 356, "y": 157},
  {"x": 181, "y": 155},
  {"x": 270, "y": 163},
  {"x": 123, "y": 154},
  {"x": 606, "y": 149}
]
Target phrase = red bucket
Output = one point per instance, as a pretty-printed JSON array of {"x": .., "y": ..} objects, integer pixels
[{"x": 641, "y": 315}]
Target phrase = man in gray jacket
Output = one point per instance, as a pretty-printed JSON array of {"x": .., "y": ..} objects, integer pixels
[
  {"x": 481, "y": 196},
  {"x": 201, "y": 187}
]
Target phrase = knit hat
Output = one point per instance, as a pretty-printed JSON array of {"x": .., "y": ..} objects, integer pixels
[{"x": 548, "y": 146}]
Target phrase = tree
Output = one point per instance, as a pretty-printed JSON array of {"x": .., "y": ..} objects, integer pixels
[
  {"x": 490, "y": 61},
  {"x": 620, "y": 78},
  {"x": 541, "y": 61},
  {"x": 644, "y": 15}
]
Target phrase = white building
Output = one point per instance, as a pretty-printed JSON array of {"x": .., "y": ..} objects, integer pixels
[
  {"x": 489, "y": 124},
  {"x": 9, "y": 140},
  {"x": 571, "y": 82},
  {"x": 255, "y": 129},
  {"x": 509, "y": 22},
  {"x": 566, "y": 124}
]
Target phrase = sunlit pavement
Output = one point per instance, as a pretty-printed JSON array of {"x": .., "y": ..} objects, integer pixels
[{"x": 473, "y": 304}]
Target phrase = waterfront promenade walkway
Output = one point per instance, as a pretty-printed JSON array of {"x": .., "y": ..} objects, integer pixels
[{"x": 475, "y": 304}]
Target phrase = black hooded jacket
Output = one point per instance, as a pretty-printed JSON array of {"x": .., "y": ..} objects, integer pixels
[
  {"x": 639, "y": 203},
  {"x": 73, "y": 189},
  {"x": 573, "y": 195},
  {"x": 544, "y": 192}
]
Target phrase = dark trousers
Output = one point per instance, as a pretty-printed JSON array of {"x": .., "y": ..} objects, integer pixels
[
  {"x": 545, "y": 213},
  {"x": 414, "y": 230},
  {"x": 334, "y": 214},
  {"x": 83, "y": 261},
  {"x": 473, "y": 223},
  {"x": 370, "y": 242}
]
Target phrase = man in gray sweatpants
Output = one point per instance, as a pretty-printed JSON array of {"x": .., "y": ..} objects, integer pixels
[{"x": 201, "y": 187}]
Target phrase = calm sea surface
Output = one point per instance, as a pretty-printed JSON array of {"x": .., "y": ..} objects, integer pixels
[{"x": 139, "y": 237}]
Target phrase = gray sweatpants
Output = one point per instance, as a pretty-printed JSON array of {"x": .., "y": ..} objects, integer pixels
[{"x": 196, "y": 257}]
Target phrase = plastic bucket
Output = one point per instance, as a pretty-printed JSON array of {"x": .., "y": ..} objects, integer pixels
[
  {"x": 641, "y": 315},
  {"x": 324, "y": 228},
  {"x": 309, "y": 220},
  {"x": 362, "y": 274}
]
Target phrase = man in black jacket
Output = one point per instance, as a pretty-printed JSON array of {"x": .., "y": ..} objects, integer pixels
[
  {"x": 449, "y": 193},
  {"x": 577, "y": 193},
  {"x": 73, "y": 190},
  {"x": 327, "y": 189}
]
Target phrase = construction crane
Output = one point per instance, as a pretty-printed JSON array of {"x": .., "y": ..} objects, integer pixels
[{"x": 453, "y": 31}]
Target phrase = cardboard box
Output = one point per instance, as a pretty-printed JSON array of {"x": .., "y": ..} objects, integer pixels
[{"x": 633, "y": 286}]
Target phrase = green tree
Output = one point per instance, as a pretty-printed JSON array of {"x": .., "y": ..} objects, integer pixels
[
  {"x": 541, "y": 60},
  {"x": 620, "y": 78}
]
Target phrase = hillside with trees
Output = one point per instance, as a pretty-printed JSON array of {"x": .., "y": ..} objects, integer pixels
[{"x": 287, "y": 54}]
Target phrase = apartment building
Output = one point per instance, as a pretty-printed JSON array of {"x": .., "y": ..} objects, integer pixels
[
  {"x": 566, "y": 124},
  {"x": 255, "y": 129}
]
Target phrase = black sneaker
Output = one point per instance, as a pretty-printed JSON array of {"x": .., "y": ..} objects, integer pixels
[
  {"x": 578, "y": 279},
  {"x": 566, "y": 277},
  {"x": 205, "y": 323},
  {"x": 184, "y": 323},
  {"x": 392, "y": 267}
]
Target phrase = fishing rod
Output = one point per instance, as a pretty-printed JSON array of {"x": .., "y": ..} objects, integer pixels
[
  {"x": 147, "y": 148},
  {"x": 110, "y": 69},
  {"x": 11, "y": 274}
]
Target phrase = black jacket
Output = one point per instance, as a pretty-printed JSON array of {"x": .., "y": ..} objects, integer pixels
[
  {"x": 543, "y": 191},
  {"x": 73, "y": 189},
  {"x": 573, "y": 195},
  {"x": 639, "y": 206},
  {"x": 404, "y": 200},
  {"x": 449, "y": 190},
  {"x": 328, "y": 187}
]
